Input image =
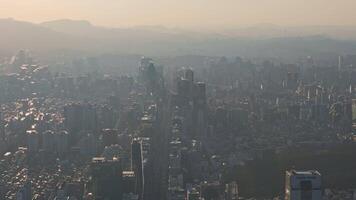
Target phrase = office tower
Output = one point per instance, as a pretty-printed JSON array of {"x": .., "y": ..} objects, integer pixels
[
  {"x": 109, "y": 137},
  {"x": 106, "y": 179},
  {"x": 24, "y": 193},
  {"x": 292, "y": 80},
  {"x": 192, "y": 194},
  {"x": 129, "y": 183},
  {"x": 200, "y": 109},
  {"x": 142, "y": 70},
  {"x": 340, "y": 63},
  {"x": 80, "y": 117},
  {"x": 72, "y": 114},
  {"x": 48, "y": 141},
  {"x": 88, "y": 144},
  {"x": 89, "y": 118},
  {"x": 211, "y": 191},
  {"x": 149, "y": 178},
  {"x": 341, "y": 116},
  {"x": 183, "y": 90},
  {"x": 2, "y": 190},
  {"x": 61, "y": 142},
  {"x": 74, "y": 190},
  {"x": 144, "y": 63},
  {"x": 136, "y": 166},
  {"x": 55, "y": 142},
  {"x": 221, "y": 119},
  {"x": 189, "y": 74},
  {"x": 151, "y": 77},
  {"x": 2, "y": 127},
  {"x": 187, "y": 81},
  {"x": 232, "y": 191},
  {"x": 200, "y": 94},
  {"x": 108, "y": 117},
  {"x": 303, "y": 185},
  {"x": 33, "y": 141}
]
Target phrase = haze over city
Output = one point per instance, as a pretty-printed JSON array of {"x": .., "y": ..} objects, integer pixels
[
  {"x": 177, "y": 100},
  {"x": 210, "y": 14}
]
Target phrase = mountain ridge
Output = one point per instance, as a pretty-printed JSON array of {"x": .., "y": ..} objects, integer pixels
[{"x": 83, "y": 36}]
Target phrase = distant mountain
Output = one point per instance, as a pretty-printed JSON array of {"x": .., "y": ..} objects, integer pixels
[
  {"x": 160, "y": 41},
  {"x": 272, "y": 31},
  {"x": 72, "y": 27},
  {"x": 85, "y": 28},
  {"x": 23, "y": 35},
  {"x": 259, "y": 31}
]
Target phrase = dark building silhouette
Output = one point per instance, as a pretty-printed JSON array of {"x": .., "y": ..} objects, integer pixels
[
  {"x": 107, "y": 180},
  {"x": 137, "y": 167},
  {"x": 2, "y": 127},
  {"x": 80, "y": 117}
]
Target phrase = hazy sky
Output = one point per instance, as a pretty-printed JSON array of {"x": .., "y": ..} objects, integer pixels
[{"x": 185, "y": 13}]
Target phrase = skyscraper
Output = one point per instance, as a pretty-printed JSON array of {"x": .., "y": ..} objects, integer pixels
[
  {"x": 189, "y": 75},
  {"x": 106, "y": 179},
  {"x": 33, "y": 140},
  {"x": 303, "y": 185},
  {"x": 2, "y": 127},
  {"x": 136, "y": 166},
  {"x": 25, "y": 192}
]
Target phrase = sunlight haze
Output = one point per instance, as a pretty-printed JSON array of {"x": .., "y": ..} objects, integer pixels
[{"x": 184, "y": 13}]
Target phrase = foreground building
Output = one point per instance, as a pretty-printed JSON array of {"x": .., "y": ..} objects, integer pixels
[{"x": 303, "y": 185}]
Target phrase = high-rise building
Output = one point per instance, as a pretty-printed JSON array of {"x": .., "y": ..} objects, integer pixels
[
  {"x": 80, "y": 117},
  {"x": 150, "y": 76},
  {"x": 33, "y": 140},
  {"x": 48, "y": 141},
  {"x": 232, "y": 191},
  {"x": 24, "y": 193},
  {"x": 52, "y": 142},
  {"x": 200, "y": 93},
  {"x": 303, "y": 185},
  {"x": 108, "y": 117},
  {"x": 129, "y": 183},
  {"x": 106, "y": 179},
  {"x": 137, "y": 167},
  {"x": 192, "y": 194},
  {"x": 61, "y": 142},
  {"x": 88, "y": 144},
  {"x": 72, "y": 114},
  {"x": 189, "y": 74},
  {"x": 211, "y": 191},
  {"x": 2, "y": 127},
  {"x": 183, "y": 90},
  {"x": 340, "y": 63},
  {"x": 109, "y": 137}
]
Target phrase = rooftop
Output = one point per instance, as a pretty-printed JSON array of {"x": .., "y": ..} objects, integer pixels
[{"x": 305, "y": 173}]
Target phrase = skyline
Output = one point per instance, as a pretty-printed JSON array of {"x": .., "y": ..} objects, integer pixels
[{"x": 208, "y": 14}]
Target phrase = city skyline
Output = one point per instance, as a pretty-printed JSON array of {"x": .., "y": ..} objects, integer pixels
[{"x": 177, "y": 100}]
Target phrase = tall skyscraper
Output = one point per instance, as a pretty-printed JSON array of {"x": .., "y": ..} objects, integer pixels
[
  {"x": 33, "y": 140},
  {"x": 231, "y": 191},
  {"x": 106, "y": 179},
  {"x": 340, "y": 63},
  {"x": 303, "y": 185},
  {"x": 189, "y": 74},
  {"x": 80, "y": 117},
  {"x": 24, "y": 192},
  {"x": 2, "y": 127},
  {"x": 137, "y": 167}
]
